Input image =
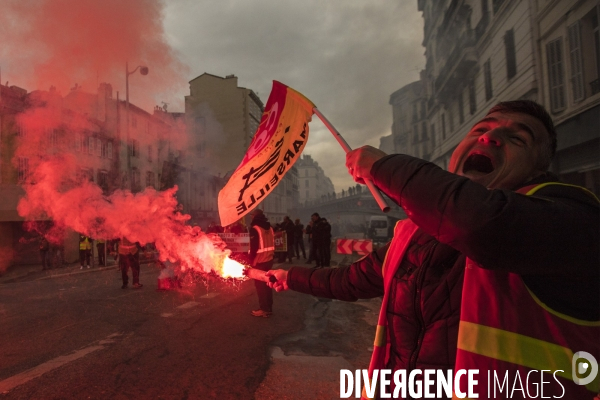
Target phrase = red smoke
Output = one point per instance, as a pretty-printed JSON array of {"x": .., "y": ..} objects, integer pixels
[
  {"x": 149, "y": 216},
  {"x": 84, "y": 42},
  {"x": 62, "y": 43}
]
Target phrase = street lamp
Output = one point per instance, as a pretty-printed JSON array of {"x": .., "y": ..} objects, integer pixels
[{"x": 144, "y": 71}]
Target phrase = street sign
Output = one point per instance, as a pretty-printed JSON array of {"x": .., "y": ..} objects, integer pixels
[
  {"x": 363, "y": 246},
  {"x": 344, "y": 246},
  {"x": 236, "y": 242}
]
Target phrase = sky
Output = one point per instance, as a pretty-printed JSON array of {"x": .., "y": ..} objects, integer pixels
[{"x": 346, "y": 56}]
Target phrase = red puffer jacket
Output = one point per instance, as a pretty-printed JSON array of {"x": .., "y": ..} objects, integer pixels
[{"x": 551, "y": 239}]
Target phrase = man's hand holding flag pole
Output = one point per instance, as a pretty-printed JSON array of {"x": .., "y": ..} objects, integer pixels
[{"x": 275, "y": 147}]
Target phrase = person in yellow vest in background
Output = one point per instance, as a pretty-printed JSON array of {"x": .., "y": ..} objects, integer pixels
[
  {"x": 262, "y": 251},
  {"x": 129, "y": 257},
  {"x": 85, "y": 251},
  {"x": 101, "y": 247},
  {"x": 496, "y": 269}
]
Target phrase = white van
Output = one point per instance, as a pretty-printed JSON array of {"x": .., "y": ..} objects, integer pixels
[{"x": 378, "y": 228}]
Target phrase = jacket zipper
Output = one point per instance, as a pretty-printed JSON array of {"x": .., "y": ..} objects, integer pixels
[{"x": 419, "y": 313}]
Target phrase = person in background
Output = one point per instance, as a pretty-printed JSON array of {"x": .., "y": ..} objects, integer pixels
[
  {"x": 101, "y": 247},
  {"x": 85, "y": 251},
  {"x": 299, "y": 239},
  {"x": 288, "y": 226},
  {"x": 129, "y": 257},
  {"x": 308, "y": 231},
  {"x": 262, "y": 251},
  {"x": 326, "y": 244},
  {"x": 318, "y": 234},
  {"x": 44, "y": 248}
]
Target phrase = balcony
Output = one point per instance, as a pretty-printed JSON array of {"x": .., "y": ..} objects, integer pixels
[
  {"x": 595, "y": 86},
  {"x": 458, "y": 67}
]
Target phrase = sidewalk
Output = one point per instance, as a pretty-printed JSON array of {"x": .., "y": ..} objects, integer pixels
[{"x": 24, "y": 273}]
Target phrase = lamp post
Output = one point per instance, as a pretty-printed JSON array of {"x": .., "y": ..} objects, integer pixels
[{"x": 143, "y": 71}]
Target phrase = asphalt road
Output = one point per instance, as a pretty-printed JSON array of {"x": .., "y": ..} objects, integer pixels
[{"x": 83, "y": 337}]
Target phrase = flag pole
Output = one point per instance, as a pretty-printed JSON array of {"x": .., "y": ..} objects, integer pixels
[{"x": 374, "y": 191}]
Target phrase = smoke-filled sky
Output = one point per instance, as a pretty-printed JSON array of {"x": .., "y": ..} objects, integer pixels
[{"x": 346, "y": 56}]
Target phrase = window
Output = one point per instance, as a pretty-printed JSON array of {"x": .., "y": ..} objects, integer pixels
[
  {"x": 150, "y": 179},
  {"x": 511, "y": 56},
  {"x": 306, "y": 183},
  {"x": 23, "y": 169},
  {"x": 85, "y": 174},
  {"x": 451, "y": 120},
  {"x": 424, "y": 131},
  {"x": 443, "y": 126},
  {"x": 98, "y": 147},
  {"x": 150, "y": 153},
  {"x": 415, "y": 133},
  {"x": 91, "y": 142},
  {"x": 487, "y": 75},
  {"x": 415, "y": 115},
  {"x": 307, "y": 194},
  {"x": 461, "y": 108},
  {"x": 472, "y": 98},
  {"x": 135, "y": 179},
  {"x": 103, "y": 180},
  {"x": 555, "y": 75},
  {"x": 432, "y": 135},
  {"x": 109, "y": 150},
  {"x": 22, "y": 131},
  {"x": 576, "y": 61},
  {"x": 134, "y": 148},
  {"x": 423, "y": 109},
  {"x": 496, "y": 4}
]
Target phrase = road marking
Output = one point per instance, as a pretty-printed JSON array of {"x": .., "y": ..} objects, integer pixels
[
  {"x": 209, "y": 295},
  {"x": 189, "y": 304},
  {"x": 24, "y": 377}
]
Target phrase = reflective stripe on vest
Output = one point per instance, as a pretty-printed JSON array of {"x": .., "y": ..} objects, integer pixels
[
  {"x": 506, "y": 330},
  {"x": 403, "y": 232},
  {"x": 126, "y": 247},
  {"x": 85, "y": 244},
  {"x": 266, "y": 245}
]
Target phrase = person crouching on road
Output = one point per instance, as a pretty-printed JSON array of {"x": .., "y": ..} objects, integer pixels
[
  {"x": 262, "y": 251},
  {"x": 129, "y": 256}
]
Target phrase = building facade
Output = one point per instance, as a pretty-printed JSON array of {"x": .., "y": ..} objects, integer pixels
[
  {"x": 91, "y": 129},
  {"x": 570, "y": 53},
  {"x": 313, "y": 183},
  {"x": 481, "y": 52},
  {"x": 222, "y": 119},
  {"x": 478, "y": 52},
  {"x": 410, "y": 129}
]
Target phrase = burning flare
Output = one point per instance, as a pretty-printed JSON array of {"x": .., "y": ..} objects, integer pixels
[{"x": 233, "y": 269}]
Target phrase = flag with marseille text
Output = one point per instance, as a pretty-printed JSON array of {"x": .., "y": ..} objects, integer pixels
[{"x": 276, "y": 146}]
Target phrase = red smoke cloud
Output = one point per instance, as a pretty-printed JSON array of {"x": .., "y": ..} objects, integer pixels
[
  {"x": 61, "y": 43},
  {"x": 64, "y": 42},
  {"x": 149, "y": 216}
]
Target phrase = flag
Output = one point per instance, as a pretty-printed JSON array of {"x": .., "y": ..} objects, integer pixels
[{"x": 277, "y": 144}]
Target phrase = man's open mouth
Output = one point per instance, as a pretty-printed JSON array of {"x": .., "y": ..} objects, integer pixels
[{"x": 478, "y": 163}]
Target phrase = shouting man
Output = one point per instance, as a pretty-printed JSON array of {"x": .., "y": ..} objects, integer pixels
[{"x": 496, "y": 269}]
